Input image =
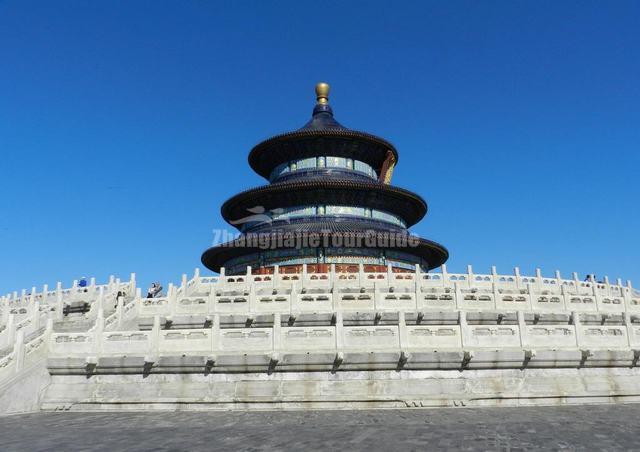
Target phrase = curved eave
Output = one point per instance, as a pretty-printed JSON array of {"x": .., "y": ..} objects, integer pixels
[
  {"x": 404, "y": 203},
  {"x": 216, "y": 257},
  {"x": 338, "y": 142}
]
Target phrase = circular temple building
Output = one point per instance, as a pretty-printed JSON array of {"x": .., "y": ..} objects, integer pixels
[{"x": 328, "y": 201}]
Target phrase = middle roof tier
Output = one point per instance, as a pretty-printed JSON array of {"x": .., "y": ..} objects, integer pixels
[{"x": 404, "y": 204}]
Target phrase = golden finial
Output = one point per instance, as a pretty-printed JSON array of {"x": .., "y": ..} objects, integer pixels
[{"x": 322, "y": 93}]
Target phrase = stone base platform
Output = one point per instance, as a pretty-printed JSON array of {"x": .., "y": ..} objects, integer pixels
[{"x": 342, "y": 390}]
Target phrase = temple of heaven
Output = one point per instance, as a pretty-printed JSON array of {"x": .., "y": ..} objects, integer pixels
[{"x": 328, "y": 201}]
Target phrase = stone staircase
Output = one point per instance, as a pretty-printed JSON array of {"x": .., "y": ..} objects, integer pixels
[{"x": 28, "y": 323}]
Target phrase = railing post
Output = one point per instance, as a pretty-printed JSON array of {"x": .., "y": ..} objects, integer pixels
[
  {"x": 403, "y": 334},
  {"x": 18, "y": 351},
  {"x": 212, "y": 306},
  {"x": 276, "y": 276},
  {"x": 494, "y": 285},
  {"x": 565, "y": 295},
  {"x": 119, "y": 311},
  {"x": 292, "y": 298},
  {"x": 516, "y": 273},
  {"x": 5, "y": 310},
  {"x": 155, "y": 336},
  {"x": 629, "y": 325},
  {"x": 215, "y": 341},
  {"x": 35, "y": 316},
  {"x": 183, "y": 285},
  {"x": 389, "y": 275},
  {"x": 522, "y": 326},
  {"x": 59, "y": 303},
  {"x": 101, "y": 298},
  {"x": 538, "y": 279},
  {"x": 48, "y": 331},
  {"x": 576, "y": 283},
  {"x": 445, "y": 275},
  {"x": 332, "y": 276},
  {"x": 172, "y": 299},
  {"x": 596, "y": 292},
  {"x": 305, "y": 270},
  {"x": 10, "y": 331},
  {"x": 531, "y": 293},
  {"x": 626, "y": 294},
  {"x": 465, "y": 333},
  {"x": 100, "y": 321},
  {"x": 458, "y": 294},
  {"x": 417, "y": 279},
  {"x": 253, "y": 299},
  {"x": 45, "y": 293},
  {"x": 339, "y": 331},
  {"x": 98, "y": 334},
  {"x": 277, "y": 332},
  {"x": 575, "y": 319},
  {"x": 376, "y": 294},
  {"x": 132, "y": 283}
]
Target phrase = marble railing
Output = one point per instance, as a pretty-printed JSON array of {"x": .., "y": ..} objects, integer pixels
[
  {"x": 25, "y": 352},
  {"x": 202, "y": 285},
  {"x": 23, "y": 304},
  {"x": 24, "y": 317},
  {"x": 400, "y": 343},
  {"x": 24, "y": 346},
  {"x": 46, "y": 296},
  {"x": 390, "y": 291},
  {"x": 471, "y": 318}
]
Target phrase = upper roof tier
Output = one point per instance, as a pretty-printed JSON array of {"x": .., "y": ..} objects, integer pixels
[{"x": 323, "y": 136}]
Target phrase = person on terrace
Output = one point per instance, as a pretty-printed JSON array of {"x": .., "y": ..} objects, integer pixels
[{"x": 155, "y": 290}]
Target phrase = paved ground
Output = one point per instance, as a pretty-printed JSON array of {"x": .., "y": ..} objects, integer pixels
[{"x": 567, "y": 428}]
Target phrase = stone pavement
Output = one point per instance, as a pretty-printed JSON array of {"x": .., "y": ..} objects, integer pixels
[{"x": 602, "y": 427}]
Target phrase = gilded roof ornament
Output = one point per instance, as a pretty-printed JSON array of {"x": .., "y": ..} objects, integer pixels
[{"x": 322, "y": 93}]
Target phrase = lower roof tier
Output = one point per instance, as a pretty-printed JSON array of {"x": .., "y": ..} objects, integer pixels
[
  {"x": 261, "y": 200},
  {"x": 325, "y": 246}
]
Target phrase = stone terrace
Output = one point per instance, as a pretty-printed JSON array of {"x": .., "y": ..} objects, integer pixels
[{"x": 324, "y": 340}]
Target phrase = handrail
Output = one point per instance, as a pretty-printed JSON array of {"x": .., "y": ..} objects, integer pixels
[{"x": 338, "y": 338}]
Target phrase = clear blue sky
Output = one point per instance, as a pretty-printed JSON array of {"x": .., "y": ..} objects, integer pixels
[{"x": 125, "y": 125}]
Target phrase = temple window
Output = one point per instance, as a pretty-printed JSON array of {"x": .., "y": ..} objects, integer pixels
[
  {"x": 322, "y": 162},
  {"x": 336, "y": 210}
]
